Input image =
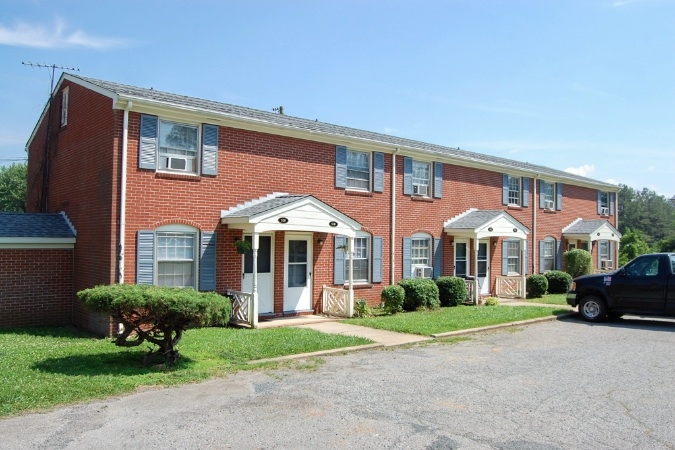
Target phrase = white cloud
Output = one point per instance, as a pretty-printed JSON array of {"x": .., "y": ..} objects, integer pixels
[
  {"x": 389, "y": 130},
  {"x": 28, "y": 35},
  {"x": 584, "y": 171}
]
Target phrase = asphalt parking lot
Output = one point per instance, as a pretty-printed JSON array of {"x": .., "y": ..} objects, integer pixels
[{"x": 563, "y": 384}]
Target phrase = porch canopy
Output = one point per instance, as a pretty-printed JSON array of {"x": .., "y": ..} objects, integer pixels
[
  {"x": 591, "y": 230},
  {"x": 476, "y": 224},
  {"x": 289, "y": 212}
]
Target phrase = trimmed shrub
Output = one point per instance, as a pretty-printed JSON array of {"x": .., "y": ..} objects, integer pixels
[
  {"x": 578, "y": 262},
  {"x": 419, "y": 293},
  {"x": 158, "y": 315},
  {"x": 491, "y": 301},
  {"x": 536, "y": 286},
  {"x": 451, "y": 290},
  {"x": 559, "y": 282},
  {"x": 392, "y": 298}
]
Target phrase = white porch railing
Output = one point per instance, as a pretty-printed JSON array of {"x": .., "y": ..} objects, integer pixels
[
  {"x": 470, "y": 284},
  {"x": 337, "y": 302},
  {"x": 242, "y": 307},
  {"x": 510, "y": 287}
]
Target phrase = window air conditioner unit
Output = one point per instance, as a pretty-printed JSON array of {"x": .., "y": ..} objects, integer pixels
[
  {"x": 177, "y": 163},
  {"x": 606, "y": 264},
  {"x": 423, "y": 272},
  {"x": 419, "y": 189},
  {"x": 604, "y": 211},
  {"x": 550, "y": 205}
]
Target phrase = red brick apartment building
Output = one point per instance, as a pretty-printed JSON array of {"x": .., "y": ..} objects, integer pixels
[{"x": 159, "y": 187}]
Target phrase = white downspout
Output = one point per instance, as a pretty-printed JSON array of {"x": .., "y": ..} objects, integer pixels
[
  {"x": 535, "y": 206},
  {"x": 123, "y": 191},
  {"x": 393, "y": 216}
]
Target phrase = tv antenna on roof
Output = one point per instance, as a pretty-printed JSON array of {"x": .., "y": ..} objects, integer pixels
[{"x": 50, "y": 66}]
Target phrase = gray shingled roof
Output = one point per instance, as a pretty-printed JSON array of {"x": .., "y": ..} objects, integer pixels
[
  {"x": 477, "y": 218},
  {"x": 34, "y": 225},
  {"x": 314, "y": 126},
  {"x": 589, "y": 227},
  {"x": 264, "y": 206}
]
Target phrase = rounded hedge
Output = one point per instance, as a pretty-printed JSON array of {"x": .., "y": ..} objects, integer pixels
[
  {"x": 559, "y": 282},
  {"x": 536, "y": 286},
  {"x": 393, "y": 297},
  {"x": 419, "y": 293},
  {"x": 452, "y": 291}
]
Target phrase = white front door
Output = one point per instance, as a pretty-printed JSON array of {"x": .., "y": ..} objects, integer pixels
[
  {"x": 297, "y": 272},
  {"x": 483, "y": 269},
  {"x": 265, "y": 273}
]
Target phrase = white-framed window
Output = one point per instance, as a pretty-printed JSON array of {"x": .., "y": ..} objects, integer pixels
[
  {"x": 176, "y": 256},
  {"x": 548, "y": 255},
  {"x": 420, "y": 256},
  {"x": 358, "y": 170},
  {"x": 513, "y": 257},
  {"x": 421, "y": 178},
  {"x": 583, "y": 245},
  {"x": 361, "y": 260},
  {"x": 549, "y": 194},
  {"x": 571, "y": 246},
  {"x": 178, "y": 147},
  {"x": 515, "y": 191},
  {"x": 603, "y": 200},
  {"x": 64, "y": 106},
  {"x": 603, "y": 249},
  {"x": 461, "y": 260}
]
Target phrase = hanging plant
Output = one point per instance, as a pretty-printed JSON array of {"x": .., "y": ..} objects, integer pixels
[
  {"x": 343, "y": 247},
  {"x": 242, "y": 246}
]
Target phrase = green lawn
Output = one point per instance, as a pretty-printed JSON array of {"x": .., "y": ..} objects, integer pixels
[
  {"x": 550, "y": 299},
  {"x": 456, "y": 318},
  {"x": 41, "y": 368}
]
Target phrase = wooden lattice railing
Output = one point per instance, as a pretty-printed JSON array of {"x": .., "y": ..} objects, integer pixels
[
  {"x": 510, "y": 287},
  {"x": 242, "y": 305},
  {"x": 336, "y": 302}
]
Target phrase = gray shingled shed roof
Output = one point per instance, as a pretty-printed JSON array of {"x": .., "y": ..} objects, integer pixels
[
  {"x": 18, "y": 227},
  {"x": 316, "y": 127}
]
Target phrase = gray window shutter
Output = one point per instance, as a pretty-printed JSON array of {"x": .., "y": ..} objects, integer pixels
[
  {"x": 611, "y": 203},
  {"x": 505, "y": 260},
  {"x": 558, "y": 193},
  {"x": 407, "y": 176},
  {"x": 339, "y": 261},
  {"x": 145, "y": 257},
  {"x": 526, "y": 192},
  {"x": 505, "y": 189},
  {"x": 407, "y": 257},
  {"x": 147, "y": 150},
  {"x": 599, "y": 255},
  {"x": 612, "y": 256},
  {"x": 599, "y": 202},
  {"x": 438, "y": 180},
  {"x": 559, "y": 256},
  {"x": 209, "y": 150},
  {"x": 378, "y": 172},
  {"x": 207, "y": 262},
  {"x": 340, "y": 166},
  {"x": 542, "y": 197},
  {"x": 541, "y": 256},
  {"x": 377, "y": 259},
  {"x": 527, "y": 257},
  {"x": 438, "y": 258}
]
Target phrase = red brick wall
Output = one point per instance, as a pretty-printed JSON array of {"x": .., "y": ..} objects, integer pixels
[{"x": 36, "y": 287}]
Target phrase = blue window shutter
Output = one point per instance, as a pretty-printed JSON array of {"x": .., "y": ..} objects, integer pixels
[
  {"x": 505, "y": 189},
  {"x": 527, "y": 258},
  {"x": 377, "y": 259},
  {"x": 209, "y": 150},
  {"x": 438, "y": 180},
  {"x": 438, "y": 258},
  {"x": 542, "y": 197},
  {"x": 505, "y": 260},
  {"x": 147, "y": 149},
  {"x": 559, "y": 256},
  {"x": 407, "y": 176},
  {"x": 339, "y": 261},
  {"x": 599, "y": 255},
  {"x": 526, "y": 192},
  {"x": 558, "y": 200},
  {"x": 612, "y": 256},
  {"x": 599, "y": 202},
  {"x": 541, "y": 256},
  {"x": 407, "y": 257},
  {"x": 207, "y": 262},
  {"x": 378, "y": 172},
  {"x": 340, "y": 166},
  {"x": 145, "y": 257},
  {"x": 611, "y": 203}
]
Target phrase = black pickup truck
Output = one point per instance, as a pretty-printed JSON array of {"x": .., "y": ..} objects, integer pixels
[{"x": 644, "y": 286}]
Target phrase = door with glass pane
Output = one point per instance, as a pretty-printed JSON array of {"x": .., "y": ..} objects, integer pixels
[
  {"x": 483, "y": 269},
  {"x": 298, "y": 272},
  {"x": 265, "y": 271}
]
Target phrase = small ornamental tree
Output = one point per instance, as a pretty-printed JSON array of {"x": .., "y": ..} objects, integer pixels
[
  {"x": 578, "y": 262},
  {"x": 158, "y": 315}
]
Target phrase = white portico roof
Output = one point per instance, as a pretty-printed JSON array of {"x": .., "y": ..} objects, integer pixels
[
  {"x": 289, "y": 212},
  {"x": 481, "y": 224},
  {"x": 593, "y": 230}
]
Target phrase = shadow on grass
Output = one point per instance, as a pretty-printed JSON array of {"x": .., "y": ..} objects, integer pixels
[{"x": 126, "y": 363}]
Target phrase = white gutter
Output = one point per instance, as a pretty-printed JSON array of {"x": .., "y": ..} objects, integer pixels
[
  {"x": 123, "y": 191},
  {"x": 393, "y": 216}
]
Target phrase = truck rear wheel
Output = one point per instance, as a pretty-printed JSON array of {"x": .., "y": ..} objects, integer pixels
[{"x": 592, "y": 309}]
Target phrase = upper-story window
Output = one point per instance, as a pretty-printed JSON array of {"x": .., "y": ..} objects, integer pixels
[
  {"x": 358, "y": 170},
  {"x": 64, "y": 107},
  {"x": 515, "y": 190},
  {"x": 550, "y": 195},
  {"x": 421, "y": 176},
  {"x": 178, "y": 147},
  {"x": 605, "y": 203}
]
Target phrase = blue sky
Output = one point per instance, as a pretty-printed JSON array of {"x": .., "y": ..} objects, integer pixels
[{"x": 586, "y": 86}]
